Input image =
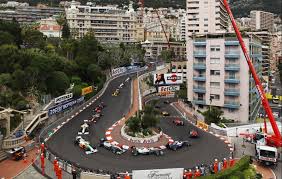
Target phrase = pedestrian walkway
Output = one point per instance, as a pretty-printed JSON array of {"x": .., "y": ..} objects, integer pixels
[
  {"x": 10, "y": 168},
  {"x": 267, "y": 173}
]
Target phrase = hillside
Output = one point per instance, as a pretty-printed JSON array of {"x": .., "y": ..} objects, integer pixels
[{"x": 241, "y": 8}]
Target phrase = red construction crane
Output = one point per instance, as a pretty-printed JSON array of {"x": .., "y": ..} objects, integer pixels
[{"x": 272, "y": 140}]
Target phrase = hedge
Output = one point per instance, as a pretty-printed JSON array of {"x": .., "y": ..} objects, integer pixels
[{"x": 234, "y": 172}]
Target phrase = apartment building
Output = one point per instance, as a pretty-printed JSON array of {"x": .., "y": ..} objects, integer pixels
[
  {"x": 109, "y": 23},
  {"x": 265, "y": 37},
  {"x": 218, "y": 75},
  {"x": 180, "y": 66},
  {"x": 30, "y": 14},
  {"x": 49, "y": 27},
  {"x": 206, "y": 16},
  {"x": 261, "y": 20},
  {"x": 154, "y": 49}
]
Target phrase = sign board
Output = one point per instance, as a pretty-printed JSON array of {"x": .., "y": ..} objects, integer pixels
[
  {"x": 168, "y": 79},
  {"x": 118, "y": 71},
  {"x": 171, "y": 173},
  {"x": 168, "y": 88},
  {"x": 63, "y": 106},
  {"x": 86, "y": 90},
  {"x": 63, "y": 98}
]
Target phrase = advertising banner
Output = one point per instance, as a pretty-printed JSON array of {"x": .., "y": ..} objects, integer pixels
[
  {"x": 118, "y": 71},
  {"x": 63, "y": 98},
  {"x": 86, "y": 90},
  {"x": 162, "y": 89},
  {"x": 171, "y": 173},
  {"x": 168, "y": 79},
  {"x": 63, "y": 106}
]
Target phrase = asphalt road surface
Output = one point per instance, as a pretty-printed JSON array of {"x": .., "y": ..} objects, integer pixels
[{"x": 203, "y": 150}]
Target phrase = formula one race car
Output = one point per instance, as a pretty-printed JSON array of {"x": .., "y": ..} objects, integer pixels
[
  {"x": 177, "y": 145},
  {"x": 116, "y": 93},
  {"x": 121, "y": 86},
  {"x": 146, "y": 151},
  {"x": 111, "y": 147},
  {"x": 94, "y": 118},
  {"x": 164, "y": 113},
  {"x": 193, "y": 134},
  {"x": 178, "y": 122},
  {"x": 85, "y": 145},
  {"x": 84, "y": 130},
  {"x": 127, "y": 79}
]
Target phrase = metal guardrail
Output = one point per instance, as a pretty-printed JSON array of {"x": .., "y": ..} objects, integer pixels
[{"x": 12, "y": 143}]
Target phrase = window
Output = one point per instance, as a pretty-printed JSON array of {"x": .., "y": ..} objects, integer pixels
[
  {"x": 215, "y": 48},
  {"x": 215, "y": 60},
  {"x": 206, "y": 25},
  {"x": 206, "y": 19},
  {"x": 215, "y": 85},
  {"x": 215, "y": 72},
  {"x": 214, "y": 97}
]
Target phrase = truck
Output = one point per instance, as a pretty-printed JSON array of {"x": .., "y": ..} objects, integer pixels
[{"x": 267, "y": 155}]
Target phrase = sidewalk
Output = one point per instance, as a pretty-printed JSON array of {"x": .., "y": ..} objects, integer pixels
[{"x": 10, "y": 168}]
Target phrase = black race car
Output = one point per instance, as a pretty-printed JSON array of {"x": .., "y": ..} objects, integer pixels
[
  {"x": 146, "y": 151},
  {"x": 177, "y": 145},
  {"x": 113, "y": 148}
]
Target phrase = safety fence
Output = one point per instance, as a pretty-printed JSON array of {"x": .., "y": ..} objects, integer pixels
[{"x": 68, "y": 166}]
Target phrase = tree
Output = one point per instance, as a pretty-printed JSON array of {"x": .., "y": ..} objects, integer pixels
[
  {"x": 5, "y": 79},
  {"x": 6, "y": 38},
  {"x": 94, "y": 72},
  {"x": 19, "y": 80},
  {"x": 167, "y": 55},
  {"x": 57, "y": 83},
  {"x": 212, "y": 115},
  {"x": 134, "y": 124},
  {"x": 33, "y": 38},
  {"x": 12, "y": 28},
  {"x": 65, "y": 30}
]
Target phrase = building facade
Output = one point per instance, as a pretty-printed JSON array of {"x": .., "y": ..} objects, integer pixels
[
  {"x": 30, "y": 14},
  {"x": 49, "y": 27},
  {"x": 109, "y": 23},
  {"x": 218, "y": 75},
  {"x": 205, "y": 17},
  {"x": 261, "y": 20}
]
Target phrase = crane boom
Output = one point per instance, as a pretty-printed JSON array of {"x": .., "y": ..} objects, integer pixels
[
  {"x": 167, "y": 39},
  {"x": 276, "y": 138}
]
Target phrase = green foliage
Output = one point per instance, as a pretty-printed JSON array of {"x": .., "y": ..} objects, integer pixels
[
  {"x": 134, "y": 124},
  {"x": 6, "y": 38},
  {"x": 94, "y": 72},
  {"x": 57, "y": 82},
  {"x": 65, "y": 31},
  {"x": 33, "y": 38},
  {"x": 182, "y": 93},
  {"x": 237, "y": 171},
  {"x": 280, "y": 71},
  {"x": 167, "y": 55},
  {"x": 13, "y": 28},
  {"x": 212, "y": 115}
]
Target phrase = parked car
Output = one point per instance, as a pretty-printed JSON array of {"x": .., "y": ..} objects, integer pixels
[
  {"x": 178, "y": 122},
  {"x": 146, "y": 151},
  {"x": 177, "y": 145}
]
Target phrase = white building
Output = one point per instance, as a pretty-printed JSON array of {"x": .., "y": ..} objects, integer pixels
[
  {"x": 261, "y": 20},
  {"x": 50, "y": 27},
  {"x": 218, "y": 75},
  {"x": 109, "y": 23},
  {"x": 206, "y": 17}
]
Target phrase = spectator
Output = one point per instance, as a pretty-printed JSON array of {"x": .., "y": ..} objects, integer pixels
[{"x": 73, "y": 172}]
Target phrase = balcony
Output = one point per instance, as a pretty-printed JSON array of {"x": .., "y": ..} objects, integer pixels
[
  {"x": 231, "y": 104},
  {"x": 231, "y": 43},
  {"x": 200, "y": 43},
  {"x": 231, "y": 80},
  {"x": 199, "y": 89},
  {"x": 232, "y": 54},
  {"x": 199, "y": 78},
  {"x": 256, "y": 55},
  {"x": 199, "y": 101},
  {"x": 232, "y": 92},
  {"x": 232, "y": 67},
  {"x": 199, "y": 54},
  {"x": 199, "y": 66}
]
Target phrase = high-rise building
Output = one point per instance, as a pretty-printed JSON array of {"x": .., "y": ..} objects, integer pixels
[
  {"x": 206, "y": 16},
  {"x": 110, "y": 24},
  {"x": 265, "y": 37},
  {"x": 218, "y": 75},
  {"x": 261, "y": 20}
]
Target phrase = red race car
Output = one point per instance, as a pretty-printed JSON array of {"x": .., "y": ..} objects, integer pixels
[
  {"x": 178, "y": 122},
  {"x": 193, "y": 134}
]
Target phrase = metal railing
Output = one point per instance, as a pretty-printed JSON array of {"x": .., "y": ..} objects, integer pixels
[{"x": 12, "y": 143}]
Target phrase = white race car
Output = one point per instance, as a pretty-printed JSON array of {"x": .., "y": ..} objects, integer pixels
[
  {"x": 146, "y": 151},
  {"x": 85, "y": 145},
  {"x": 84, "y": 130},
  {"x": 114, "y": 148},
  {"x": 127, "y": 79},
  {"x": 121, "y": 85}
]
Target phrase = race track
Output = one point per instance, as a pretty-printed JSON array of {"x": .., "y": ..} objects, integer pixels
[{"x": 203, "y": 149}]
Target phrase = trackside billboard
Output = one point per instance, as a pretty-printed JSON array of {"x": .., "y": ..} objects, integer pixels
[
  {"x": 168, "y": 79},
  {"x": 171, "y": 173}
]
